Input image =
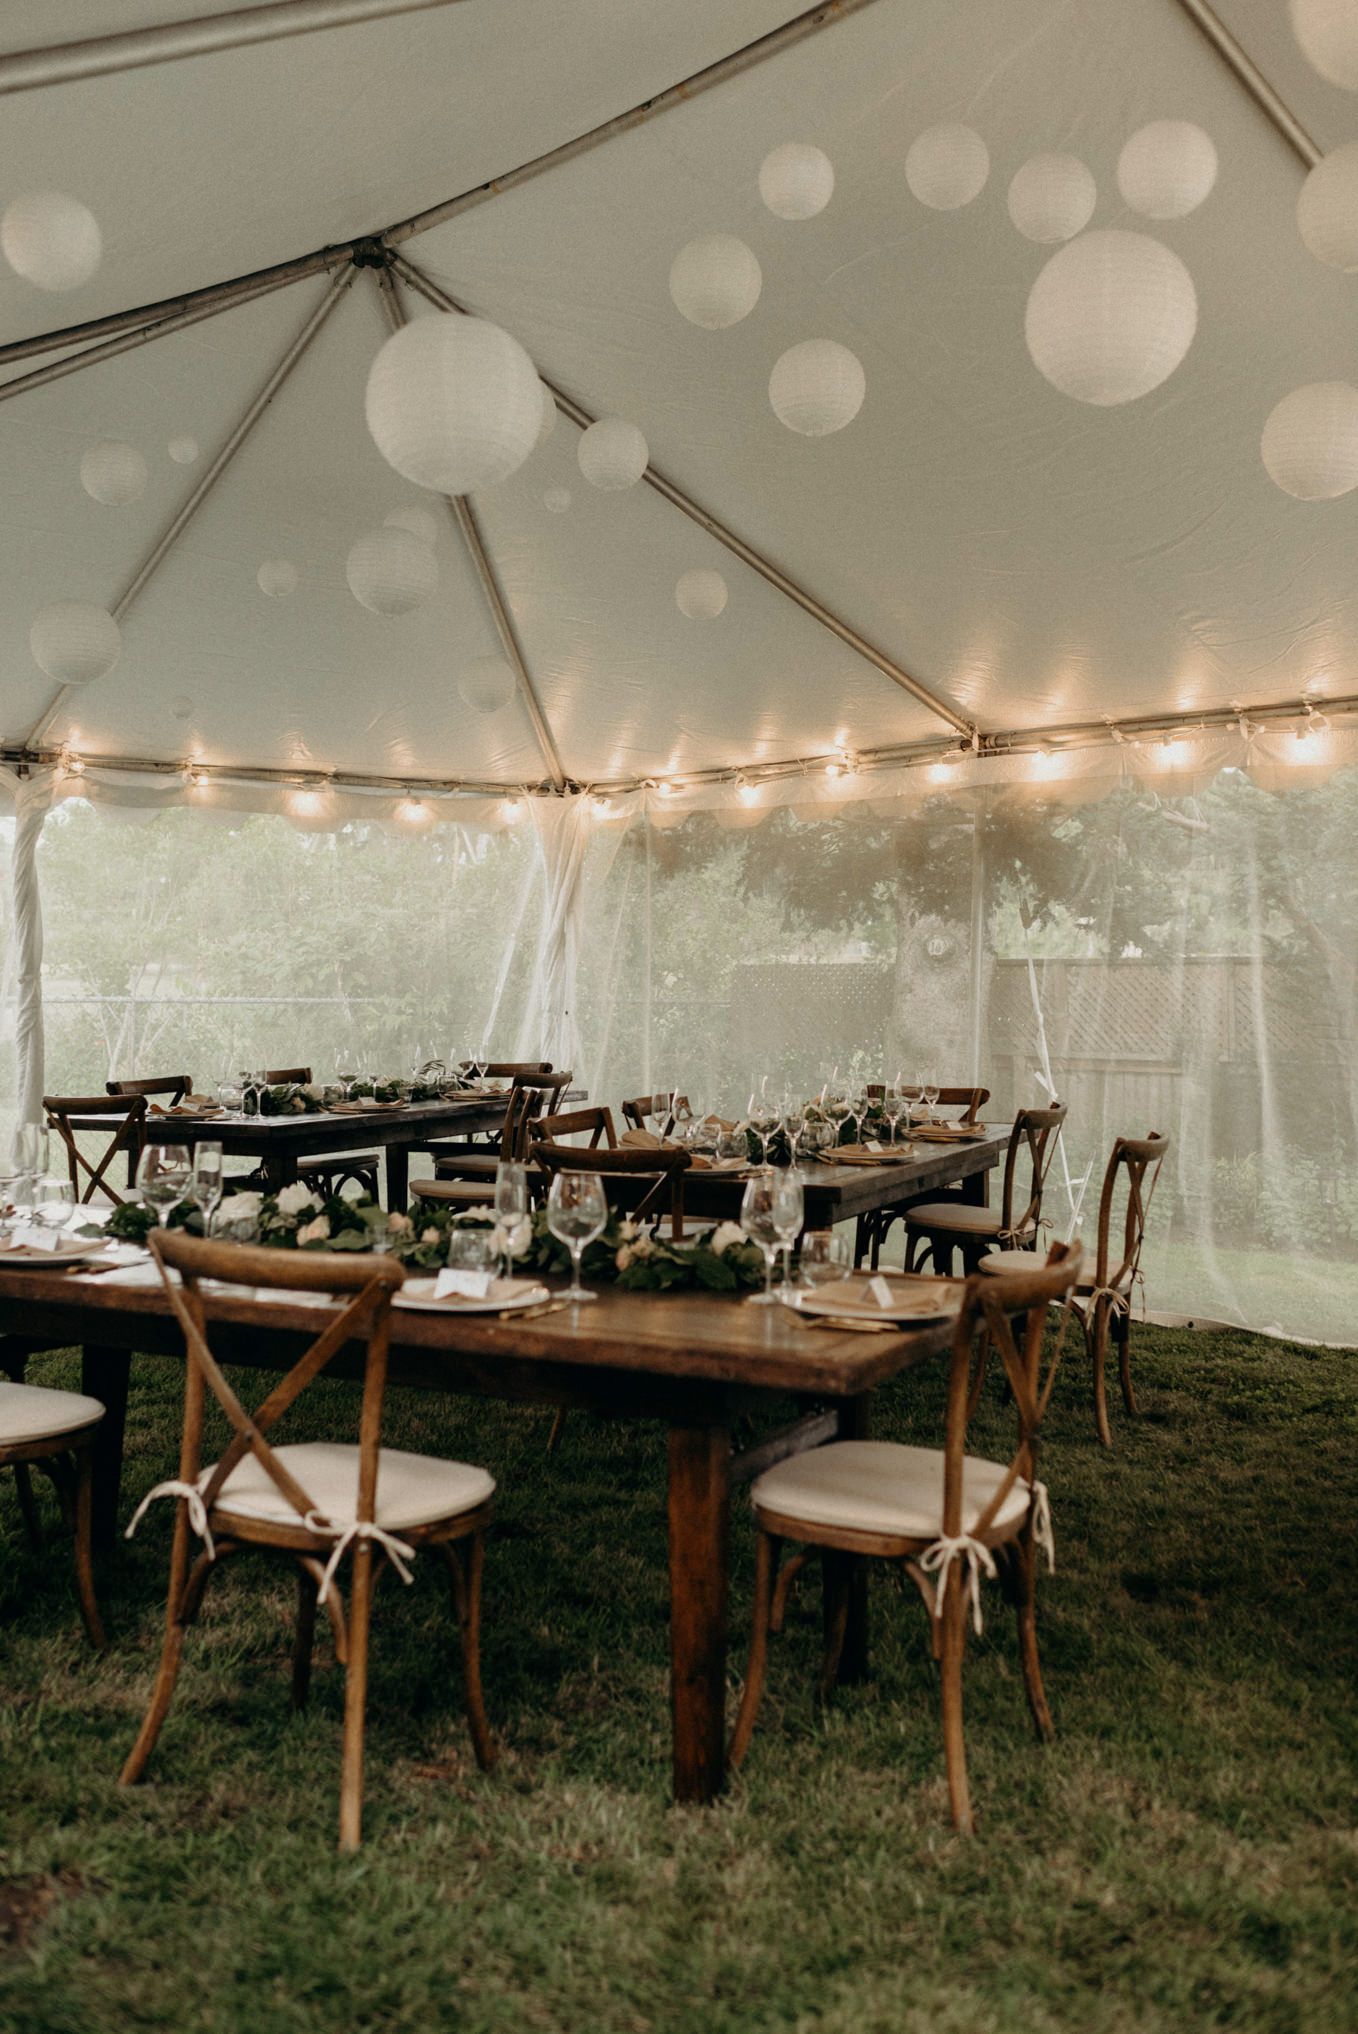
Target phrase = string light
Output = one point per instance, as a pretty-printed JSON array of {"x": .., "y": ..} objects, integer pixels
[
  {"x": 747, "y": 792},
  {"x": 512, "y": 809},
  {"x": 75, "y": 766}
]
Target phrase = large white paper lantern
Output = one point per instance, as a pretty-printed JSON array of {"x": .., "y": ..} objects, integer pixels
[
  {"x": 796, "y": 180},
  {"x": 715, "y": 280},
  {"x": 557, "y": 500},
  {"x": 51, "y": 240},
  {"x": 74, "y": 642},
  {"x": 453, "y": 403},
  {"x": 391, "y": 571},
  {"x": 419, "y": 521},
  {"x": 947, "y": 166},
  {"x": 113, "y": 472},
  {"x": 1110, "y": 317},
  {"x": 701, "y": 595},
  {"x": 1052, "y": 197},
  {"x": 612, "y": 453},
  {"x": 183, "y": 450},
  {"x": 1167, "y": 169},
  {"x": 817, "y": 387},
  {"x": 1328, "y": 33},
  {"x": 548, "y": 424},
  {"x": 487, "y": 684},
  {"x": 1310, "y": 442},
  {"x": 277, "y": 577},
  {"x": 1327, "y": 208}
]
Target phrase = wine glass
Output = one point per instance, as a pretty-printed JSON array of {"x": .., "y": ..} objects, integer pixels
[
  {"x": 577, "y": 1212},
  {"x": 911, "y": 1092},
  {"x": 762, "y": 1117},
  {"x": 770, "y": 1215},
  {"x": 893, "y": 1108},
  {"x": 792, "y": 1118},
  {"x": 928, "y": 1091},
  {"x": 836, "y": 1107},
  {"x": 511, "y": 1208},
  {"x": 163, "y": 1176},
  {"x": 205, "y": 1181},
  {"x": 859, "y": 1102},
  {"x": 824, "y": 1257},
  {"x": 346, "y": 1068}
]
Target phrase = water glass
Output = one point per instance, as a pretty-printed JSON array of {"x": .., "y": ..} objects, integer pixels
[
  {"x": 770, "y": 1215},
  {"x": 163, "y": 1174},
  {"x": 472, "y": 1250},
  {"x": 730, "y": 1145},
  {"x": 824, "y": 1257},
  {"x": 53, "y": 1202},
  {"x": 577, "y": 1212}
]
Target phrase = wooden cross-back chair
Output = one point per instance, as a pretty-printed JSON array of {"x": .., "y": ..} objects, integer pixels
[
  {"x": 947, "y": 1517},
  {"x": 872, "y": 1230},
  {"x": 314, "y": 1501},
  {"x": 933, "y": 1229},
  {"x": 174, "y": 1086},
  {"x": 665, "y": 1169},
  {"x": 124, "y": 1116},
  {"x": 464, "y": 1172},
  {"x": 54, "y": 1431},
  {"x": 513, "y": 1069},
  {"x": 970, "y": 1101},
  {"x": 639, "y": 1108},
  {"x": 594, "y": 1123}
]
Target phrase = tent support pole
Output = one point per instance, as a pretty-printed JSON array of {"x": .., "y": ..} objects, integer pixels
[
  {"x": 32, "y": 800},
  {"x": 163, "y": 544},
  {"x": 463, "y": 514},
  {"x": 766, "y": 569},
  {"x": 1273, "y": 108}
]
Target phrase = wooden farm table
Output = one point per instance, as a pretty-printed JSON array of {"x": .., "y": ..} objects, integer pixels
[
  {"x": 840, "y": 1193},
  {"x": 696, "y": 1361}
]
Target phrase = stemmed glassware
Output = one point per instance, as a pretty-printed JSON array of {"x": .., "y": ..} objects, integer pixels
[
  {"x": 577, "y": 1212},
  {"x": 771, "y": 1210},
  {"x": 859, "y": 1102},
  {"x": 346, "y": 1069},
  {"x": 911, "y": 1091},
  {"x": 762, "y": 1117},
  {"x": 928, "y": 1090},
  {"x": 836, "y": 1106},
  {"x": 511, "y": 1209},
  {"x": 792, "y": 1118},
  {"x": 205, "y": 1181},
  {"x": 893, "y": 1108},
  {"x": 163, "y": 1174}
]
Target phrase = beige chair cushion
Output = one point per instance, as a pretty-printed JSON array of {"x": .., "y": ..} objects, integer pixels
[
  {"x": 1005, "y": 1261},
  {"x": 30, "y": 1412},
  {"x": 959, "y": 1214},
  {"x": 883, "y": 1487},
  {"x": 412, "y": 1490}
]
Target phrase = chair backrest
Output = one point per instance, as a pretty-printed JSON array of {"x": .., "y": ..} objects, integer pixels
[
  {"x": 370, "y": 1280},
  {"x": 987, "y": 1320},
  {"x": 640, "y": 1107},
  {"x": 591, "y": 1123},
  {"x": 969, "y": 1100},
  {"x": 1035, "y": 1132},
  {"x": 527, "y": 1099},
  {"x": 1140, "y": 1159},
  {"x": 125, "y": 1116},
  {"x": 509, "y": 1069},
  {"x": 176, "y": 1086},
  {"x": 665, "y": 1167},
  {"x": 288, "y": 1076}
]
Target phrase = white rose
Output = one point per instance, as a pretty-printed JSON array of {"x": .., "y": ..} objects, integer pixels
[
  {"x": 627, "y": 1230},
  {"x": 429, "y": 1235},
  {"x": 724, "y": 1235},
  {"x": 315, "y": 1232},
  {"x": 399, "y": 1224},
  {"x": 297, "y": 1200},
  {"x": 244, "y": 1205},
  {"x": 623, "y": 1257},
  {"x": 314, "y": 1091},
  {"x": 643, "y": 1247}
]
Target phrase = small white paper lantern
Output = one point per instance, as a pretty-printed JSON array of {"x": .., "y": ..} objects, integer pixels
[
  {"x": 947, "y": 166},
  {"x": 277, "y": 577},
  {"x": 51, "y": 240},
  {"x": 391, "y": 571},
  {"x": 715, "y": 280},
  {"x": 183, "y": 450},
  {"x": 817, "y": 387},
  {"x": 487, "y": 684},
  {"x": 1167, "y": 169},
  {"x": 796, "y": 180},
  {"x": 1110, "y": 317},
  {"x": 1328, "y": 33},
  {"x": 1310, "y": 442},
  {"x": 113, "y": 472},
  {"x": 1052, "y": 197},
  {"x": 420, "y": 522},
  {"x": 74, "y": 642},
  {"x": 1327, "y": 209},
  {"x": 453, "y": 403},
  {"x": 557, "y": 500},
  {"x": 701, "y": 595},
  {"x": 548, "y": 424},
  {"x": 612, "y": 453}
]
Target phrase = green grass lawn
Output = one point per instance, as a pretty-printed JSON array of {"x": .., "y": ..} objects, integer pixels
[{"x": 1184, "y": 1857}]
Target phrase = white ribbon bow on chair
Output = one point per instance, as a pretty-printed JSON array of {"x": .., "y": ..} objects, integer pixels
[
  {"x": 939, "y": 1558},
  {"x": 192, "y": 1496},
  {"x": 358, "y": 1529}
]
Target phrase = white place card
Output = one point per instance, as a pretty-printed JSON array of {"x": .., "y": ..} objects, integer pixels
[
  {"x": 463, "y": 1284},
  {"x": 872, "y": 1145},
  {"x": 29, "y": 1236},
  {"x": 881, "y": 1292}
]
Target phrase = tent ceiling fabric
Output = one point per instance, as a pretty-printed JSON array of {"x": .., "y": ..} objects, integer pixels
[{"x": 1030, "y": 560}]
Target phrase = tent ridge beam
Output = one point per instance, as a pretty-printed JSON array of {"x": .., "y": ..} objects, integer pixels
[
  {"x": 463, "y": 514},
  {"x": 1270, "y": 103},
  {"x": 184, "y": 515},
  {"x": 725, "y": 536},
  {"x": 132, "y": 49}
]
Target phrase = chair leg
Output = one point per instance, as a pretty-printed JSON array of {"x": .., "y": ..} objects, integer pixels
[
  {"x": 1025, "y": 1581},
  {"x": 23, "y": 1483},
  {"x": 767, "y": 1550},
  {"x": 837, "y": 1571},
  {"x": 791, "y": 1571},
  {"x": 304, "y": 1638},
  {"x": 84, "y": 1542},
  {"x": 1098, "y": 1346},
  {"x": 1122, "y": 1331},
  {"x": 466, "y": 1586},
  {"x": 558, "y": 1429},
  {"x": 954, "y": 1638},
  {"x": 171, "y": 1653},
  {"x": 356, "y": 1697}
]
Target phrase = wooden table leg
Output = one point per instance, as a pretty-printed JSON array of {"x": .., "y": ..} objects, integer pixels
[
  {"x": 103, "y": 1375},
  {"x": 700, "y": 1539},
  {"x": 398, "y": 1175},
  {"x": 855, "y": 1424}
]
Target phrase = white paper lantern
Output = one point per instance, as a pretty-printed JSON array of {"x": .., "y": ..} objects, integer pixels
[
  {"x": 420, "y": 522},
  {"x": 612, "y": 453},
  {"x": 701, "y": 595},
  {"x": 1167, "y": 169},
  {"x": 1328, "y": 33},
  {"x": 947, "y": 166},
  {"x": 51, "y": 240},
  {"x": 487, "y": 684},
  {"x": 1052, "y": 197},
  {"x": 548, "y": 424},
  {"x": 1327, "y": 209},
  {"x": 1310, "y": 442},
  {"x": 1110, "y": 317},
  {"x": 277, "y": 577},
  {"x": 183, "y": 450},
  {"x": 796, "y": 180},
  {"x": 391, "y": 571},
  {"x": 557, "y": 500},
  {"x": 817, "y": 387},
  {"x": 113, "y": 472},
  {"x": 181, "y": 706},
  {"x": 715, "y": 280},
  {"x": 453, "y": 403},
  {"x": 74, "y": 642}
]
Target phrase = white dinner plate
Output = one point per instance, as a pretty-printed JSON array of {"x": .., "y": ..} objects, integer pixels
[
  {"x": 80, "y": 1252},
  {"x": 506, "y": 1295},
  {"x": 850, "y": 1300}
]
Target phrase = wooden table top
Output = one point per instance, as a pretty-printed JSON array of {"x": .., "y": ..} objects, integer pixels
[{"x": 251, "y": 1135}]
